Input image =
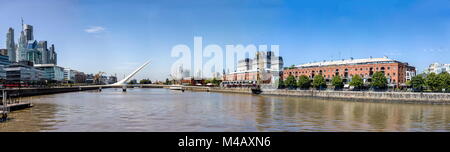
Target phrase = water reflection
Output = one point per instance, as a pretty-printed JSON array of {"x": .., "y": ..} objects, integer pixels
[{"x": 165, "y": 110}]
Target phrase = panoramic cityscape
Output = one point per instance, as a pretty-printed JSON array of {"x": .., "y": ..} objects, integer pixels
[{"x": 223, "y": 72}]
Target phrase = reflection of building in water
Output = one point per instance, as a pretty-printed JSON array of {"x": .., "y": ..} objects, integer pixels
[{"x": 309, "y": 114}]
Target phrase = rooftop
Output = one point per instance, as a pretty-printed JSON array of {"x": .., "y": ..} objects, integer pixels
[{"x": 346, "y": 62}]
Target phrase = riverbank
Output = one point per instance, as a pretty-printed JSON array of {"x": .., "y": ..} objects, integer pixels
[
  {"x": 25, "y": 92},
  {"x": 400, "y": 97}
]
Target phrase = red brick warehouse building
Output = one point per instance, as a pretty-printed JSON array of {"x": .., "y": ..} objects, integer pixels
[{"x": 395, "y": 71}]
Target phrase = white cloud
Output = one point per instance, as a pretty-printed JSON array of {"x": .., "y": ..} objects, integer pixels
[{"x": 95, "y": 29}]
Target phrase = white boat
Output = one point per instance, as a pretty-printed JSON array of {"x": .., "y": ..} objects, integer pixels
[{"x": 176, "y": 87}]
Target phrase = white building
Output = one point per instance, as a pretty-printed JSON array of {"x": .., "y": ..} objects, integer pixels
[
  {"x": 267, "y": 60},
  {"x": 180, "y": 73},
  {"x": 437, "y": 68},
  {"x": 265, "y": 67},
  {"x": 69, "y": 74}
]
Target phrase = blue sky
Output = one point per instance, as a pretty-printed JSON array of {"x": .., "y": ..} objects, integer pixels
[{"x": 118, "y": 36}]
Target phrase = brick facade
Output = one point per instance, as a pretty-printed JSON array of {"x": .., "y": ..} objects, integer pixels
[{"x": 395, "y": 71}]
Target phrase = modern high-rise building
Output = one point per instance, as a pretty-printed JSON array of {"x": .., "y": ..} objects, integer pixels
[
  {"x": 437, "y": 68},
  {"x": 51, "y": 72},
  {"x": 33, "y": 54},
  {"x": 52, "y": 55},
  {"x": 23, "y": 72},
  {"x": 4, "y": 61},
  {"x": 11, "y": 45},
  {"x": 27, "y": 53},
  {"x": 21, "y": 52},
  {"x": 69, "y": 74},
  {"x": 28, "y": 31},
  {"x": 42, "y": 47},
  {"x": 28, "y": 49},
  {"x": 265, "y": 67}
]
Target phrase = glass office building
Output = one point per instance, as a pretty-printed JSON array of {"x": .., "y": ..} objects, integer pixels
[{"x": 51, "y": 72}]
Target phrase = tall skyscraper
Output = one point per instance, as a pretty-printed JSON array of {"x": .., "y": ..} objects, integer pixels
[
  {"x": 52, "y": 55},
  {"x": 42, "y": 47},
  {"x": 33, "y": 53},
  {"x": 21, "y": 52},
  {"x": 28, "y": 31},
  {"x": 28, "y": 49},
  {"x": 10, "y": 45}
]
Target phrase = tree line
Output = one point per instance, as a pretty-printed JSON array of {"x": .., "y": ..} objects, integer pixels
[{"x": 431, "y": 82}]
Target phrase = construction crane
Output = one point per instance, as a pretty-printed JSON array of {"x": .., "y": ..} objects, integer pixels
[{"x": 97, "y": 77}]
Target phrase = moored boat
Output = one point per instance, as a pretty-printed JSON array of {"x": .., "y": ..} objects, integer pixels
[{"x": 176, "y": 87}]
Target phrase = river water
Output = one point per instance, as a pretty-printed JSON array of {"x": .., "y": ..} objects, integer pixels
[{"x": 167, "y": 110}]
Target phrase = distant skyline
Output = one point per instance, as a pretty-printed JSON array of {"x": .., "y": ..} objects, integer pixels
[{"x": 118, "y": 36}]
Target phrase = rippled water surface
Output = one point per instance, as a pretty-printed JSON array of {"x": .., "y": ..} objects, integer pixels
[{"x": 166, "y": 110}]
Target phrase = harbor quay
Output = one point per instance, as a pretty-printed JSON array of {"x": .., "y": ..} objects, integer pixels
[
  {"x": 371, "y": 96},
  {"x": 25, "y": 92}
]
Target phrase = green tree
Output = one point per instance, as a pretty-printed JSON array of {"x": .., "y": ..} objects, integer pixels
[
  {"x": 337, "y": 82},
  {"x": 304, "y": 82},
  {"x": 417, "y": 83},
  {"x": 145, "y": 81},
  {"x": 292, "y": 67},
  {"x": 280, "y": 84},
  {"x": 319, "y": 82},
  {"x": 215, "y": 81},
  {"x": 379, "y": 81},
  {"x": 444, "y": 81},
  {"x": 134, "y": 81},
  {"x": 167, "y": 81},
  {"x": 432, "y": 82},
  {"x": 357, "y": 82},
  {"x": 290, "y": 82}
]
